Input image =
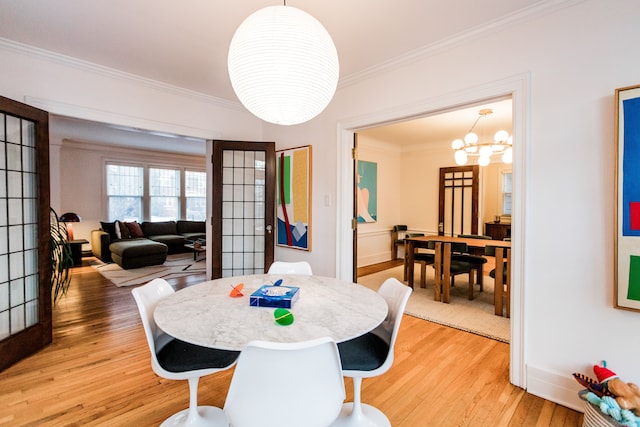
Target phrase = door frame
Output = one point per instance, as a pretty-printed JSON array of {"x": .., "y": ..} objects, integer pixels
[{"x": 518, "y": 88}]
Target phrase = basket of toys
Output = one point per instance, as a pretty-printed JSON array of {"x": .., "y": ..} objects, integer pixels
[{"x": 608, "y": 400}]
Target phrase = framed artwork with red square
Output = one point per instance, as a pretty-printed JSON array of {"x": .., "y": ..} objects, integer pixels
[{"x": 627, "y": 217}]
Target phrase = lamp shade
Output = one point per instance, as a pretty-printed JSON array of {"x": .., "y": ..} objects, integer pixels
[
  {"x": 283, "y": 65},
  {"x": 69, "y": 217}
]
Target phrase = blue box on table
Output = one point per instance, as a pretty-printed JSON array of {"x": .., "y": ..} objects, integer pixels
[{"x": 274, "y": 296}]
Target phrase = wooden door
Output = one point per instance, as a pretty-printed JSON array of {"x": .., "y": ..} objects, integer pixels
[
  {"x": 243, "y": 214},
  {"x": 354, "y": 218},
  {"x": 25, "y": 261},
  {"x": 458, "y": 200}
]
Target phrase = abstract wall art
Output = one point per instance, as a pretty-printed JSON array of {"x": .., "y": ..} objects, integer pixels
[
  {"x": 627, "y": 232},
  {"x": 293, "y": 169},
  {"x": 367, "y": 191}
]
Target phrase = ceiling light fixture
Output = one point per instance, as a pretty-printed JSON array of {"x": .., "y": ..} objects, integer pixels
[
  {"x": 471, "y": 146},
  {"x": 283, "y": 65}
]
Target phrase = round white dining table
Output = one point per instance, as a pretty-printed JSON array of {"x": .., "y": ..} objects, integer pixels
[{"x": 205, "y": 314}]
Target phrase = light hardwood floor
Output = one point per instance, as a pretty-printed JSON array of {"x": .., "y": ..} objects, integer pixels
[{"x": 98, "y": 372}]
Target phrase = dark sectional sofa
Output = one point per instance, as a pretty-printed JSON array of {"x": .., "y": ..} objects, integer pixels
[{"x": 133, "y": 245}]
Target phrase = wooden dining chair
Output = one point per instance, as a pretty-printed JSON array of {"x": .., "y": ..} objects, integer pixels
[
  {"x": 475, "y": 251},
  {"x": 422, "y": 258},
  {"x": 449, "y": 264},
  {"x": 502, "y": 288},
  {"x": 398, "y": 233}
]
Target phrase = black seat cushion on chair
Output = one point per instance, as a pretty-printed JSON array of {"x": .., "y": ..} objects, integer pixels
[
  {"x": 492, "y": 273},
  {"x": 471, "y": 259},
  {"x": 180, "y": 356},
  {"x": 365, "y": 353},
  {"x": 460, "y": 267},
  {"x": 424, "y": 257}
]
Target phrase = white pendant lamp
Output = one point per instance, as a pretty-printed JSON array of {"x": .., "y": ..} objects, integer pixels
[{"x": 283, "y": 65}]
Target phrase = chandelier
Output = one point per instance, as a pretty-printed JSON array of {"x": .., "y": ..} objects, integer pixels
[
  {"x": 472, "y": 146},
  {"x": 283, "y": 65}
]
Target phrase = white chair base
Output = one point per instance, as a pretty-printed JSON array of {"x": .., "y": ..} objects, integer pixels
[
  {"x": 206, "y": 416},
  {"x": 369, "y": 416}
]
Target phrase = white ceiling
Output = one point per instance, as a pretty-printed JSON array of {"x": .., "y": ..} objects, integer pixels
[
  {"x": 185, "y": 43},
  {"x": 445, "y": 127}
]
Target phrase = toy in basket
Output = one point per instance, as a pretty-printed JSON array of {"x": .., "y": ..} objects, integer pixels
[{"x": 609, "y": 401}]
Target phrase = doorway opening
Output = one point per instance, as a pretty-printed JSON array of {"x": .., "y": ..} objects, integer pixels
[
  {"x": 420, "y": 188},
  {"x": 515, "y": 88}
]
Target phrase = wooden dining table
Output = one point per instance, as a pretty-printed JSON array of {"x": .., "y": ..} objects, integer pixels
[
  {"x": 205, "y": 314},
  {"x": 443, "y": 262}
]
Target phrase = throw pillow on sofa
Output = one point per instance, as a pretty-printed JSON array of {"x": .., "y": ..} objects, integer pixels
[
  {"x": 134, "y": 229},
  {"x": 122, "y": 228},
  {"x": 110, "y": 229}
]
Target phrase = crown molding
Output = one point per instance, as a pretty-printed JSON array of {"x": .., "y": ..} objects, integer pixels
[
  {"x": 119, "y": 120},
  {"x": 536, "y": 10},
  {"x": 119, "y": 152},
  {"x": 113, "y": 73}
]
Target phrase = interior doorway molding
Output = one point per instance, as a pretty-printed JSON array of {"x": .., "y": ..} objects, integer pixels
[{"x": 518, "y": 88}]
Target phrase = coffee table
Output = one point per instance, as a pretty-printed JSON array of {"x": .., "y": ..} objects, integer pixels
[{"x": 197, "y": 249}]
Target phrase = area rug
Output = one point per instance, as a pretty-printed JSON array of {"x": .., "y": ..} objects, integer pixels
[
  {"x": 475, "y": 316},
  {"x": 176, "y": 265}
]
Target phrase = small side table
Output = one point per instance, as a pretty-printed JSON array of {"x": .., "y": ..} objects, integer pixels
[
  {"x": 76, "y": 250},
  {"x": 197, "y": 249}
]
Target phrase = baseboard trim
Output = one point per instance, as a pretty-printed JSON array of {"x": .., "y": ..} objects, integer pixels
[{"x": 561, "y": 389}]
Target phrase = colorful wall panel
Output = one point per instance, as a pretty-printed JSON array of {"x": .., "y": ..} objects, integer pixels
[{"x": 294, "y": 198}]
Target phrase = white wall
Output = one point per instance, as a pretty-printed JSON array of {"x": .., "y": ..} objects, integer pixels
[{"x": 573, "y": 58}]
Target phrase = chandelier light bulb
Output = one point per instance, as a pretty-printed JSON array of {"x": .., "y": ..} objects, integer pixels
[
  {"x": 484, "y": 160},
  {"x": 501, "y": 136},
  {"x": 283, "y": 65},
  {"x": 471, "y": 138},
  {"x": 485, "y": 151},
  {"x": 457, "y": 144},
  {"x": 460, "y": 157},
  {"x": 507, "y": 157}
]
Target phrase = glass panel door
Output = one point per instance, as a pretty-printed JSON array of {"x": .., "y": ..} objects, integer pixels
[
  {"x": 458, "y": 206},
  {"x": 25, "y": 291},
  {"x": 243, "y": 207}
]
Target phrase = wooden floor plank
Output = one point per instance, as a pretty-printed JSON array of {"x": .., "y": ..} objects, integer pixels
[{"x": 98, "y": 372}]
